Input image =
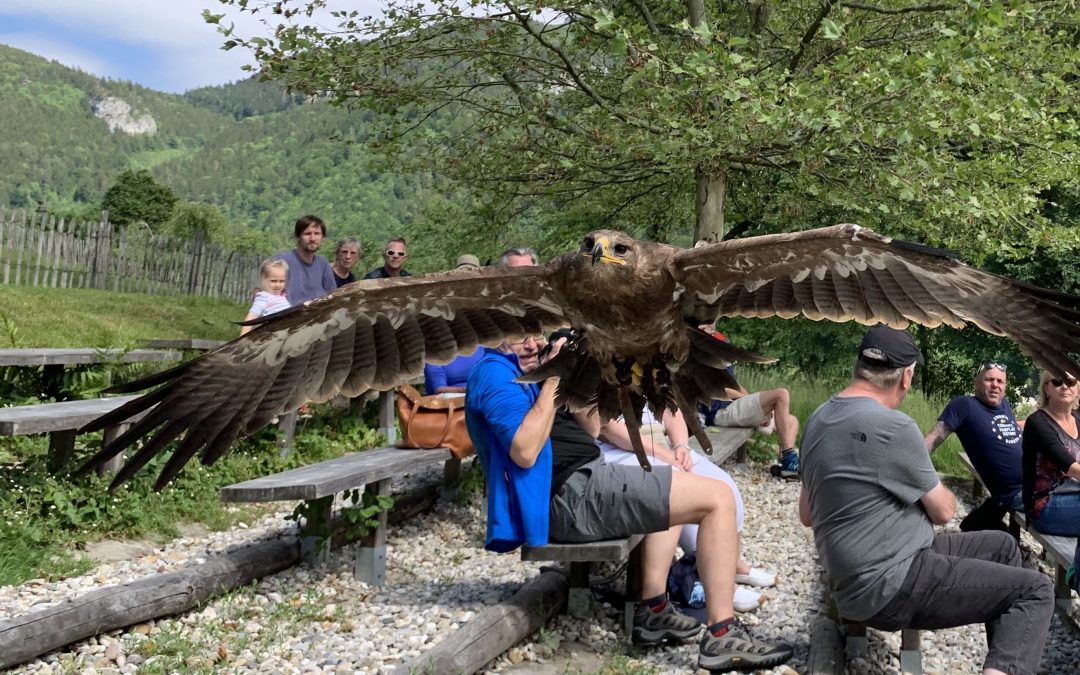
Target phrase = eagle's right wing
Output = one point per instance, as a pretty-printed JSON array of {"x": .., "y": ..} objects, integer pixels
[{"x": 849, "y": 273}]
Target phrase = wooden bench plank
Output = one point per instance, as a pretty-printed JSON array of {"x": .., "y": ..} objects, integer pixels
[
  {"x": 48, "y": 417},
  {"x": 609, "y": 549},
  {"x": 333, "y": 476},
  {"x": 82, "y": 355},
  {"x": 183, "y": 343}
]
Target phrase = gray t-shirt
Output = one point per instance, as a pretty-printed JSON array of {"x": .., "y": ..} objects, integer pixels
[
  {"x": 306, "y": 281},
  {"x": 864, "y": 468}
]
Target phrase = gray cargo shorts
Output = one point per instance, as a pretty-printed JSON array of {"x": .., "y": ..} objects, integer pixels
[{"x": 604, "y": 501}]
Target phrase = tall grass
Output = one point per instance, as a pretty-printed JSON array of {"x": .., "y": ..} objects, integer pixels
[{"x": 807, "y": 395}]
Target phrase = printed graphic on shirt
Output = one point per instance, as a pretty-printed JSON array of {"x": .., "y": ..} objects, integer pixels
[{"x": 1003, "y": 428}]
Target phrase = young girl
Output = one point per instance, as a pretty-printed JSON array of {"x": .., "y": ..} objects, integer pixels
[{"x": 272, "y": 296}]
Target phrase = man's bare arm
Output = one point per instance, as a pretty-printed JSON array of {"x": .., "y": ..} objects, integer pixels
[
  {"x": 804, "y": 507},
  {"x": 937, "y": 436},
  {"x": 939, "y": 504},
  {"x": 535, "y": 429}
]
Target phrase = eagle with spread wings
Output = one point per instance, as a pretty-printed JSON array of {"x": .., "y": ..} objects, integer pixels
[{"x": 634, "y": 308}]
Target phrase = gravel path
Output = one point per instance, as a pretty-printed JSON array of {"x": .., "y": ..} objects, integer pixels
[{"x": 438, "y": 577}]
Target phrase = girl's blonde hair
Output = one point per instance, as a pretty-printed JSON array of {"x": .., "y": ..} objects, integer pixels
[{"x": 272, "y": 264}]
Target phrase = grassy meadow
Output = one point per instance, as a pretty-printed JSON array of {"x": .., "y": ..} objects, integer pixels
[{"x": 806, "y": 396}]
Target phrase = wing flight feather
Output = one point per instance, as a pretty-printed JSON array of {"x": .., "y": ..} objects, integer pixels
[
  {"x": 368, "y": 335},
  {"x": 846, "y": 272}
]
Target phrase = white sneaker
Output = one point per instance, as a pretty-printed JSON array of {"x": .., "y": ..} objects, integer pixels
[
  {"x": 747, "y": 600},
  {"x": 756, "y": 577}
]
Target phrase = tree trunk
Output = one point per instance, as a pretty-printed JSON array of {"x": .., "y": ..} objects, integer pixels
[{"x": 709, "y": 205}]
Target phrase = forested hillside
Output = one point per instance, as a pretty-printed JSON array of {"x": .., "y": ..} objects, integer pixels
[{"x": 262, "y": 156}]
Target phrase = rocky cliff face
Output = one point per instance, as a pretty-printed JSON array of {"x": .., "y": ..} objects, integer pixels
[{"x": 118, "y": 116}]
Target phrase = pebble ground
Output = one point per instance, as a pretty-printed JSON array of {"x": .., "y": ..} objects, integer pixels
[{"x": 320, "y": 619}]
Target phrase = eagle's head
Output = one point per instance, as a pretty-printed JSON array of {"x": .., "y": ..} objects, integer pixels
[{"x": 610, "y": 247}]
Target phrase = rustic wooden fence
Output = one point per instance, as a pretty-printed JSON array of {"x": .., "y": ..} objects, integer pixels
[{"x": 37, "y": 249}]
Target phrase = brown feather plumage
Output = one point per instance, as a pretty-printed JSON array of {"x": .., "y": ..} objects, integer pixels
[{"x": 633, "y": 304}]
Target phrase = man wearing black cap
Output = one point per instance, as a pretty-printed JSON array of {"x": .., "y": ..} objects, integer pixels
[{"x": 873, "y": 497}]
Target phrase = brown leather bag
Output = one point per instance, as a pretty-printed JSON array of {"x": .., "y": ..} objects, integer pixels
[{"x": 434, "y": 421}]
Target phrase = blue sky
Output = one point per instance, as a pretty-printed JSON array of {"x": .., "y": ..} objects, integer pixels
[{"x": 161, "y": 44}]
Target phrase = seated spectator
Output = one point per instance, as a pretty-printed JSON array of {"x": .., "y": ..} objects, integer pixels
[
  {"x": 872, "y": 497},
  {"x": 310, "y": 275},
  {"x": 614, "y": 442},
  {"x": 467, "y": 261},
  {"x": 346, "y": 254},
  {"x": 547, "y": 481},
  {"x": 521, "y": 256},
  {"x": 766, "y": 410},
  {"x": 273, "y": 277},
  {"x": 991, "y": 437},
  {"x": 393, "y": 261},
  {"x": 453, "y": 376},
  {"x": 1051, "y": 459}
]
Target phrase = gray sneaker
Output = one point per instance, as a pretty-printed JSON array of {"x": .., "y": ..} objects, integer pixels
[
  {"x": 738, "y": 649},
  {"x": 653, "y": 628}
]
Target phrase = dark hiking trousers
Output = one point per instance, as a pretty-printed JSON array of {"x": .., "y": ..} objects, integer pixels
[{"x": 976, "y": 577}]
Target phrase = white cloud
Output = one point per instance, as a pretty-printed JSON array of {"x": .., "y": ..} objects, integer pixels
[
  {"x": 187, "y": 50},
  {"x": 65, "y": 53}
]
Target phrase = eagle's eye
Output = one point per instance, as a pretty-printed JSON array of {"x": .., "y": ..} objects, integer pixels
[
  {"x": 621, "y": 249},
  {"x": 587, "y": 244}
]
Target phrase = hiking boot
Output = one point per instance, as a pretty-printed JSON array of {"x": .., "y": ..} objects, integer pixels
[
  {"x": 788, "y": 466},
  {"x": 654, "y": 626},
  {"x": 738, "y": 649}
]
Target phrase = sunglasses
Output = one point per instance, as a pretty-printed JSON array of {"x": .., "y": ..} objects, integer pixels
[
  {"x": 400, "y": 254},
  {"x": 1057, "y": 383},
  {"x": 993, "y": 365}
]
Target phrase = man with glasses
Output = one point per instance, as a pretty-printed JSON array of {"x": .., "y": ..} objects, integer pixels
[
  {"x": 991, "y": 437},
  {"x": 393, "y": 261},
  {"x": 872, "y": 497}
]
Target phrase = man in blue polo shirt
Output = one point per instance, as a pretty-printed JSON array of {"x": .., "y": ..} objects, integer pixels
[
  {"x": 991, "y": 437},
  {"x": 547, "y": 480}
]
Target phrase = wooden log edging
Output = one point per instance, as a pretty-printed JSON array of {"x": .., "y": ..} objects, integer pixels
[
  {"x": 494, "y": 630},
  {"x": 31, "y": 635},
  {"x": 37, "y": 633}
]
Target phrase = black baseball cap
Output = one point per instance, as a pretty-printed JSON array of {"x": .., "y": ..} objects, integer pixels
[{"x": 889, "y": 348}]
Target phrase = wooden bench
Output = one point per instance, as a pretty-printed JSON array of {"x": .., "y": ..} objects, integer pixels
[
  {"x": 726, "y": 441},
  {"x": 1059, "y": 551},
  {"x": 61, "y": 421},
  {"x": 317, "y": 484}
]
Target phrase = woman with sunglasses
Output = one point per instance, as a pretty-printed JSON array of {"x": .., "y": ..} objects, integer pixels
[{"x": 1052, "y": 459}]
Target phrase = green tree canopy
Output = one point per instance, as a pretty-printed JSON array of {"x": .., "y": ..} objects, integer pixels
[
  {"x": 189, "y": 218},
  {"x": 136, "y": 196},
  {"x": 945, "y": 122}
]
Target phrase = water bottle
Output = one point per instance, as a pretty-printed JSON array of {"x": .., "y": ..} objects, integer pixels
[{"x": 697, "y": 594}]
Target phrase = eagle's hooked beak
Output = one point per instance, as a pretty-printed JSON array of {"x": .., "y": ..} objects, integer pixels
[{"x": 598, "y": 249}]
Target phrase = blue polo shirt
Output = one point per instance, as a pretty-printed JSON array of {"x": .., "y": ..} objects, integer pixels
[
  {"x": 495, "y": 406},
  {"x": 992, "y": 439}
]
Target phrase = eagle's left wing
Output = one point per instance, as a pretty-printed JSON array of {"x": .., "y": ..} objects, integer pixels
[
  {"x": 849, "y": 273},
  {"x": 370, "y": 334}
]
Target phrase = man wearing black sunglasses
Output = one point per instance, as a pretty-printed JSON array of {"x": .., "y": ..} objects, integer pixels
[
  {"x": 991, "y": 437},
  {"x": 393, "y": 261}
]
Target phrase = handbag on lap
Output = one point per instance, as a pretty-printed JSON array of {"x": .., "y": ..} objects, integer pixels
[{"x": 435, "y": 421}]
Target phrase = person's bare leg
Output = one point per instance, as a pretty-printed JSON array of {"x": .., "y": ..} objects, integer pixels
[
  {"x": 778, "y": 402},
  {"x": 657, "y": 550},
  {"x": 710, "y": 504}
]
